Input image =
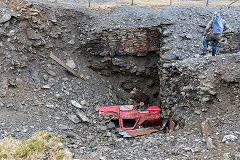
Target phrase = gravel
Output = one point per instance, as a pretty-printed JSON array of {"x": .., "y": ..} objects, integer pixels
[{"x": 28, "y": 108}]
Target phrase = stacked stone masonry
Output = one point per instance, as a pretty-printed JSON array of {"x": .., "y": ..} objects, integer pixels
[
  {"x": 196, "y": 82},
  {"x": 233, "y": 43},
  {"x": 125, "y": 41}
]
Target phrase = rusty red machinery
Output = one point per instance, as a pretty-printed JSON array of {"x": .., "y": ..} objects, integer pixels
[{"x": 128, "y": 112}]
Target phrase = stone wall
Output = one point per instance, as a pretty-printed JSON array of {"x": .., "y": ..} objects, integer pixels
[
  {"x": 232, "y": 44},
  {"x": 129, "y": 57},
  {"x": 195, "y": 83},
  {"x": 125, "y": 41}
]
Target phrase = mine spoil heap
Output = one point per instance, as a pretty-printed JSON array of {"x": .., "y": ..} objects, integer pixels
[{"x": 120, "y": 56}]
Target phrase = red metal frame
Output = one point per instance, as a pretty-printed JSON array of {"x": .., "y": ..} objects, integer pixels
[{"x": 121, "y": 112}]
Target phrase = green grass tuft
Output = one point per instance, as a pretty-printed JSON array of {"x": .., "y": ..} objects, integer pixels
[
  {"x": 30, "y": 146},
  {"x": 60, "y": 156}
]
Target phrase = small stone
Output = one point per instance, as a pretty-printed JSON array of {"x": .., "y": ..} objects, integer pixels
[
  {"x": 209, "y": 143},
  {"x": 17, "y": 130},
  {"x": 57, "y": 118},
  {"x": 9, "y": 105},
  {"x": 187, "y": 149},
  {"x": 229, "y": 138},
  {"x": 6, "y": 17},
  {"x": 1, "y": 104},
  {"x": 74, "y": 118},
  {"x": 24, "y": 130},
  {"x": 45, "y": 77},
  {"x": 109, "y": 134},
  {"x": 50, "y": 129},
  {"x": 63, "y": 127},
  {"x": 226, "y": 156},
  {"x": 205, "y": 129},
  {"x": 82, "y": 116},
  {"x": 66, "y": 92},
  {"x": 47, "y": 86},
  {"x": 204, "y": 110},
  {"x": 76, "y": 104},
  {"x": 51, "y": 73},
  {"x": 101, "y": 128},
  {"x": 50, "y": 106},
  {"x": 110, "y": 125},
  {"x": 205, "y": 99},
  {"x": 189, "y": 36},
  {"x": 90, "y": 137},
  {"x": 51, "y": 82},
  {"x": 83, "y": 102},
  {"x": 71, "y": 63},
  {"x": 72, "y": 42},
  {"x": 212, "y": 92},
  {"x": 102, "y": 157},
  {"x": 64, "y": 79},
  {"x": 33, "y": 35},
  {"x": 82, "y": 76},
  {"x": 237, "y": 156},
  {"x": 73, "y": 135},
  {"x": 197, "y": 111},
  {"x": 58, "y": 96},
  {"x": 53, "y": 20}
]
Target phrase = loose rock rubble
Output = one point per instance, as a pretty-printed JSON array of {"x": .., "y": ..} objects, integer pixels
[{"x": 38, "y": 94}]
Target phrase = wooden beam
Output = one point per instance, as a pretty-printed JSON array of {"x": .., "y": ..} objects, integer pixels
[{"x": 64, "y": 65}]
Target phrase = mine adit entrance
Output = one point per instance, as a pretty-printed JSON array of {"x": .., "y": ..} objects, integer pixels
[{"x": 129, "y": 58}]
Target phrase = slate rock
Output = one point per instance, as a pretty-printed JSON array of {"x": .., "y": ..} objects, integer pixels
[
  {"x": 209, "y": 143},
  {"x": 47, "y": 86},
  {"x": 73, "y": 135},
  {"x": 82, "y": 116},
  {"x": 76, "y": 104},
  {"x": 6, "y": 17},
  {"x": 205, "y": 129},
  {"x": 226, "y": 156},
  {"x": 229, "y": 138},
  {"x": 71, "y": 63},
  {"x": 73, "y": 118},
  {"x": 63, "y": 127}
]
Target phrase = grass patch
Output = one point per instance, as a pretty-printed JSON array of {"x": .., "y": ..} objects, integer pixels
[
  {"x": 60, "y": 156},
  {"x": 42, "y": 145},
  {"x": 29, "y": 147}
]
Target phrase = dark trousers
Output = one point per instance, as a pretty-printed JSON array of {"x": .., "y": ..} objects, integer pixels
[{"x": 214, "y": 38}]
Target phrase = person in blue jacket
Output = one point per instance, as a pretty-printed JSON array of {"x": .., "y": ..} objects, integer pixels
[{"x": 213, "y": 33}]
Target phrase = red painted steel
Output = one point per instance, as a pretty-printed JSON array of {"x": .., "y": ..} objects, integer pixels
[{"x": 129, "y": 112}]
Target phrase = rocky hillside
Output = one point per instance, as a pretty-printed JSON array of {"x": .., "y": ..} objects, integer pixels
[{"x": 115, "y": 51}]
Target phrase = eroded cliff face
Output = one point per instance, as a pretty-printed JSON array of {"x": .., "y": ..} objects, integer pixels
[
  {"x": 38, "y": 94},
  {"x": 128, "y": 57}
]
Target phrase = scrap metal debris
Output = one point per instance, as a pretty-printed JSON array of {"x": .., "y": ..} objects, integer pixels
[
  {"x": 123, "y": 113},
  {"x": 138, "y": 132},
  {"x": 168, "y": 125}
]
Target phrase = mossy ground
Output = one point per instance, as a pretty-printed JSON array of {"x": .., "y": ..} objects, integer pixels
[{"x": 43, "y": 144}]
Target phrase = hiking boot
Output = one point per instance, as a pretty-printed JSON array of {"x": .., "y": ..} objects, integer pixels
[
  {"x": 202, "y": 54},
  {"x": 213, "y": 52}
]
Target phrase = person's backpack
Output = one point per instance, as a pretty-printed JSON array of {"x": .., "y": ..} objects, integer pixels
[{"x": 217, "y": 23}]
